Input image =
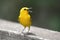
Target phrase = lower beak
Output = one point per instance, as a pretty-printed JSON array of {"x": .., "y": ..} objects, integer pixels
[{"x": 30, "y": 10}]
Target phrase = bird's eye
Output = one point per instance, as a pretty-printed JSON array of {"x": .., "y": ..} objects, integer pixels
[{"x": 24, "y": 9}]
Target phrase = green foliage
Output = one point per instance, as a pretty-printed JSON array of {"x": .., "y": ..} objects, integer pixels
[{"x": 46, "y": 13}]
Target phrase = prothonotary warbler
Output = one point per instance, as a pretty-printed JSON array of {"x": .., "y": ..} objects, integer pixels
[{"x": 25, "y": 17}]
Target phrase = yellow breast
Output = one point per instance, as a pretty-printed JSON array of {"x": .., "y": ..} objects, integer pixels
[{"x": 25, "y": 20}]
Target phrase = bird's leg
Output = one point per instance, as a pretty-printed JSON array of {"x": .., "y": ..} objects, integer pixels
[
  {"x": 23, "y": 29},
  {"x": 28, "y": 29}
]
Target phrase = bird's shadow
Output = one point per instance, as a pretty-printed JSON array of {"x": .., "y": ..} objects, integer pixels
[{"x": 29, "y": 33}]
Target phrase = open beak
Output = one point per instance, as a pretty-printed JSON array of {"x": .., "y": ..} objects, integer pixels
[{"x": 30, "y": 10}]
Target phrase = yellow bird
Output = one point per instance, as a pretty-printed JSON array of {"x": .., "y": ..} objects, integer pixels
[{"x": 25, "y": 18}]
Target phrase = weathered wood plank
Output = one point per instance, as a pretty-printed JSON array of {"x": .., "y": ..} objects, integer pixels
[{"x": 15, "y": 29}]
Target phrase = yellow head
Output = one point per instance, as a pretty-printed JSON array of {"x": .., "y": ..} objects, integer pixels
[{"x": 25, "y": 10}]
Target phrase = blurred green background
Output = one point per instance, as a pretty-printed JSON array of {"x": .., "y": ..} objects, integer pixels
[{"x": 46, "y": 13}]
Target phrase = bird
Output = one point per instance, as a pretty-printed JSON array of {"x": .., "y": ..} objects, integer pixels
[{"x": 24, "y": 17}]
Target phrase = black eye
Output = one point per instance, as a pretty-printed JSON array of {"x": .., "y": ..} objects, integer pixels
[{"x": 24, "y": 9}]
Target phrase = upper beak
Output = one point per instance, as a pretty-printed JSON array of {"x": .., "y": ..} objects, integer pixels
[{"x": 30, "y": 8}]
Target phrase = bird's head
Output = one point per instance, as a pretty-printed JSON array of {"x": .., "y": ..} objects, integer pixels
[{"x": 25, "y": 10}]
